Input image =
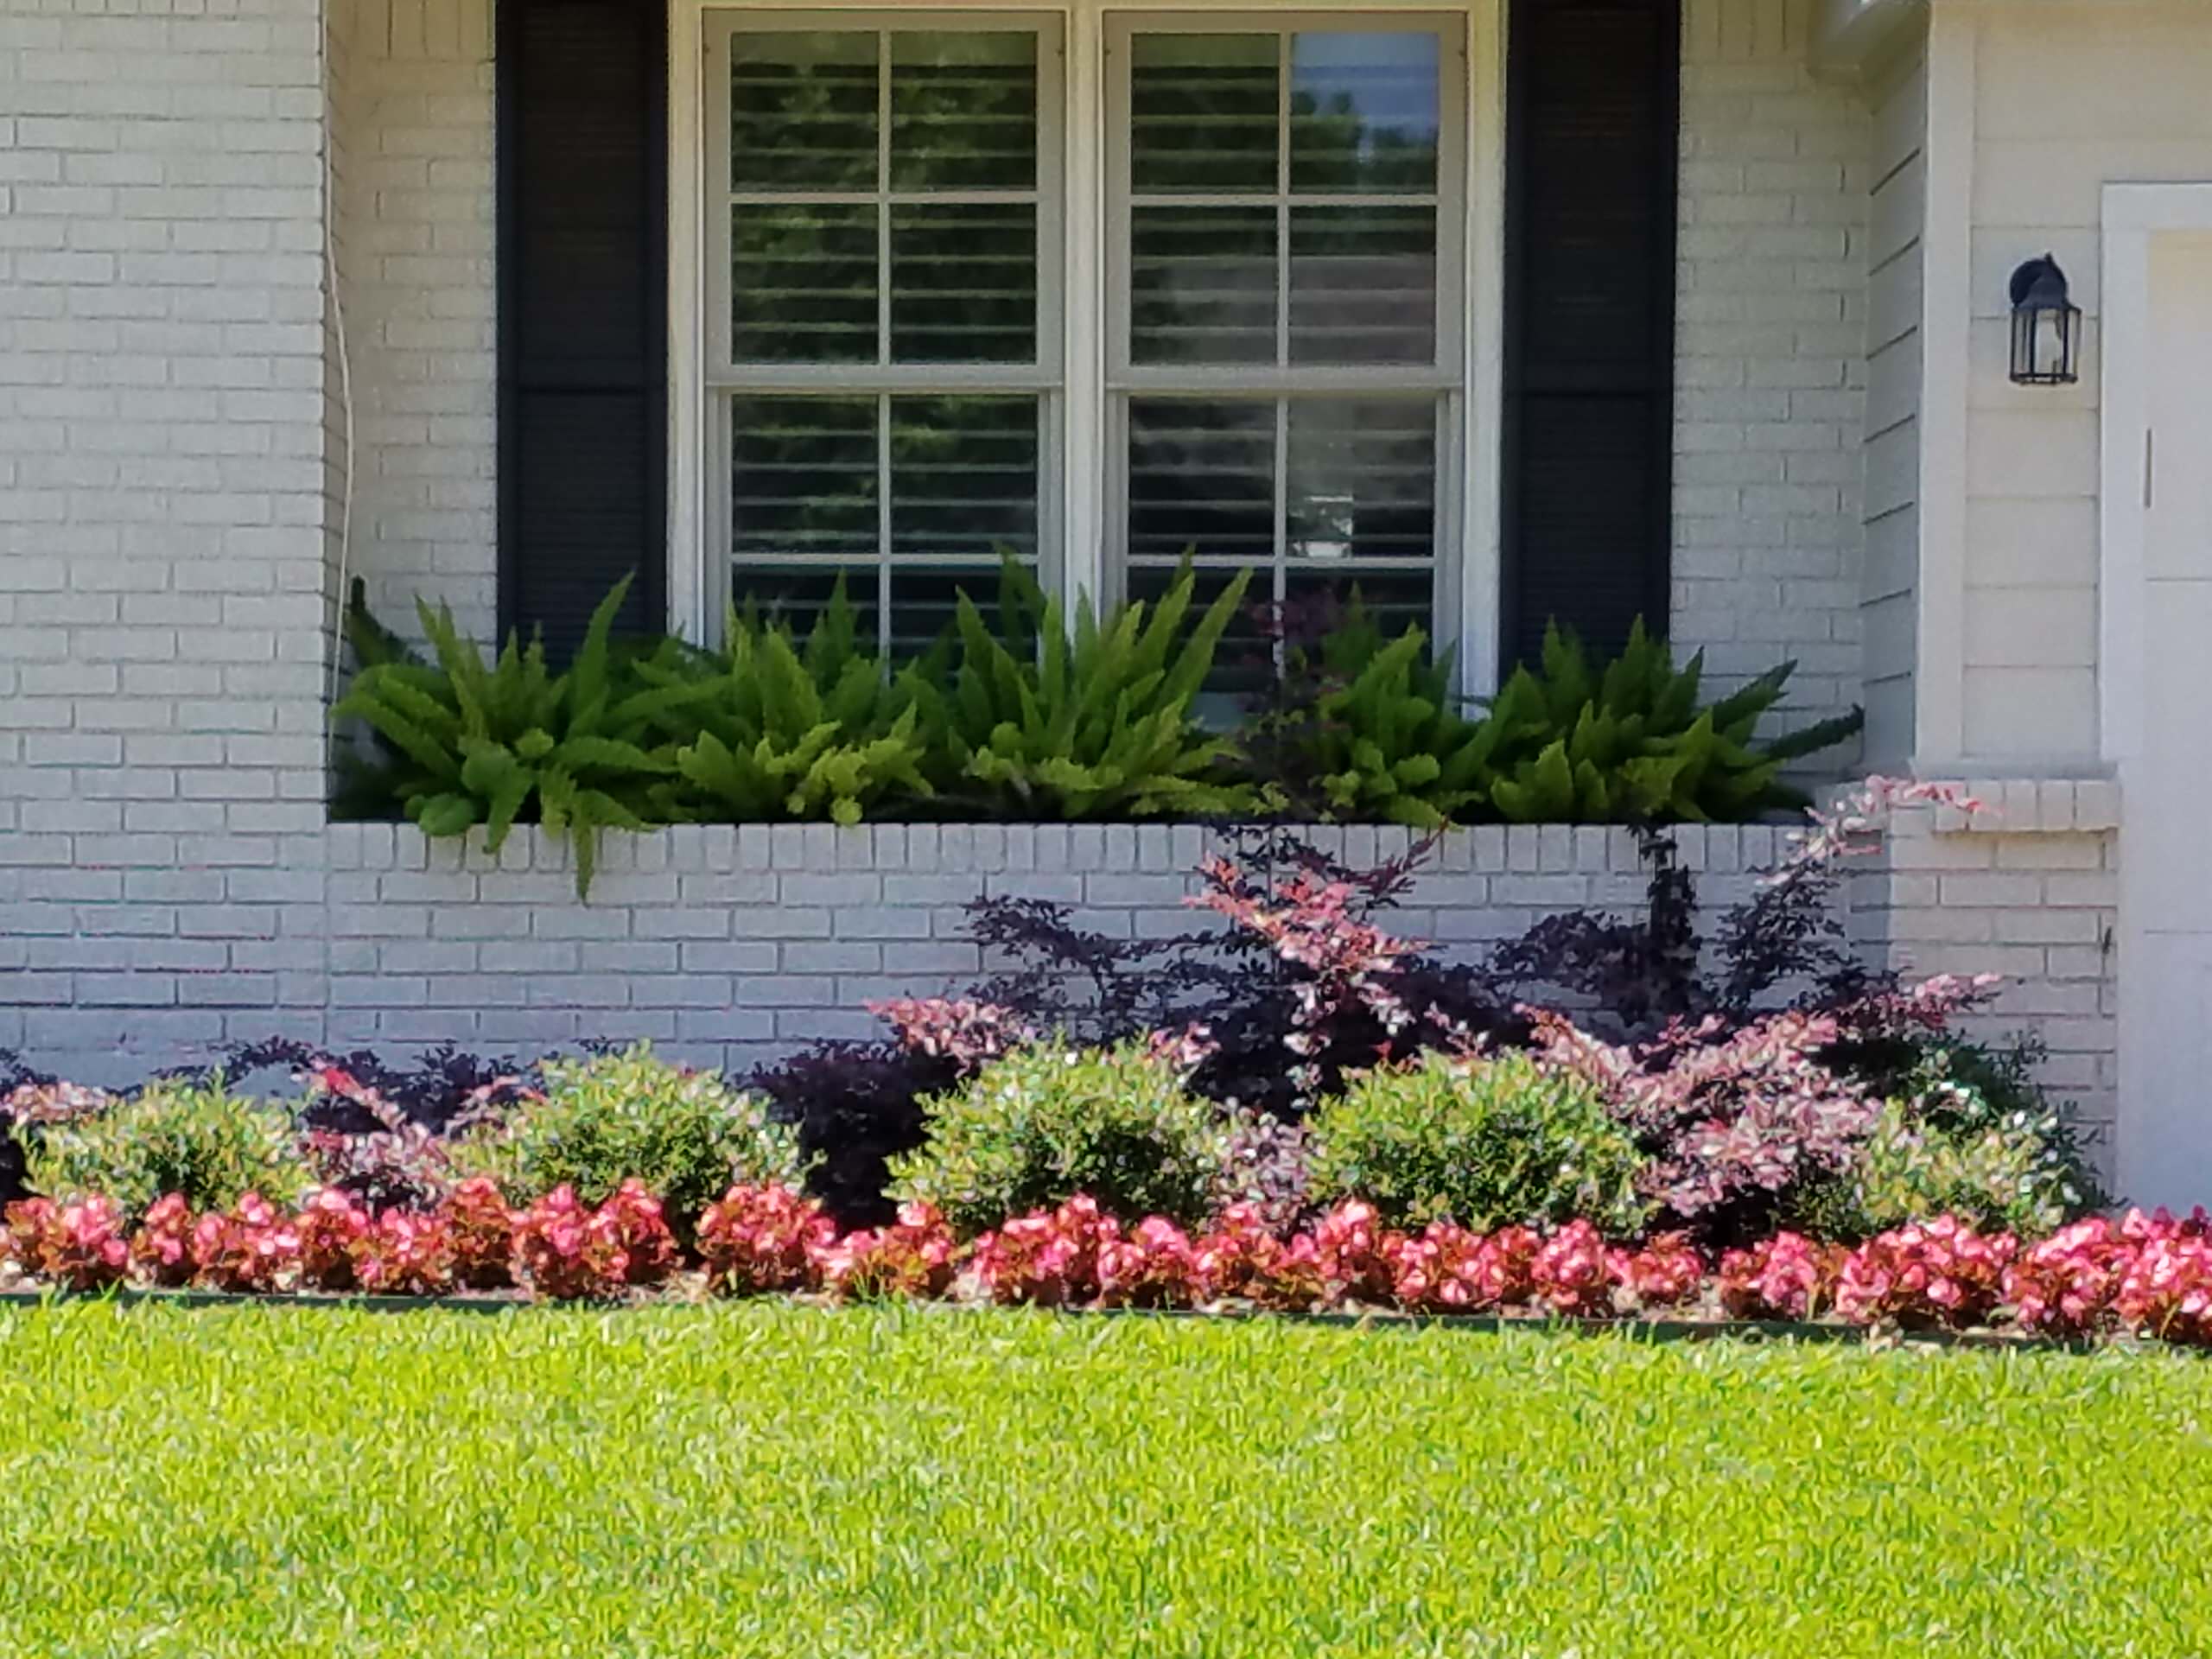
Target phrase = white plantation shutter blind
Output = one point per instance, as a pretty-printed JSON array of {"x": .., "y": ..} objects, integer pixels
[
  {"x": 1286, "y": 365},
  {"x": 887, "y": 369},
  {"x": 1284, "y": 207}
]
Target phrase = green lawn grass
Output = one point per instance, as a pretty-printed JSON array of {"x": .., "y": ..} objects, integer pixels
[{"x": 773, "y": 1479}]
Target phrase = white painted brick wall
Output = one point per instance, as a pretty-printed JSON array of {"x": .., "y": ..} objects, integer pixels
[
  {"x": 163, "y": 507},
  {"x": 418, "y": 200},
  {"x": 726, "y": 944},
  {"x": 2029, "y": 890},
  {"x": 1771, "y": 348}
]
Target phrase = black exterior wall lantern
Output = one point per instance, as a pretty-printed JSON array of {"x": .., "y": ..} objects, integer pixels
[{"x": 2046, "y": 327}]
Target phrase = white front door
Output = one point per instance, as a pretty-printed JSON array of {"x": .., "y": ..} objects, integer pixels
[{"x": 2166, "y": 1037}]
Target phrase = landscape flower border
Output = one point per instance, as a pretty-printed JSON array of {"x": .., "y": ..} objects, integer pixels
[{"x": 2142, "y": 1279}]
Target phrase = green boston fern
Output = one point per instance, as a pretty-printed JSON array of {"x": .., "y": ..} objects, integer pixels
[
  {"x": 1385, "y": 739},
  {"x": 767, "y": 729},
  {"x": 1633, "y": 742},
  {"x": 1037, "y": 723},
  {"x": 496, "y": 746}
]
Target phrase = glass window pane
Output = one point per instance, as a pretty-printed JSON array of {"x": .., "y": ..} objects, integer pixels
[
  {"x": 1202, "y": 283},
  {"x": 802, "y": 283},
  {"x": 803, "y": 478},
  {"x": 964, "y": 110},
  {"x": 1396, "y": 599},
  {"x": 963, "y": 478},
  {"x": 1363, "y": 480},
  {"x": 1243, "y": 665},
  {"x": 1363, "y": 285},
  {"x": 1206, "y": 113},
  {"x": 803, "y": 110},
  {"x": 925, "y": 602},
  {"x": 1202, "y": 479},
  {"x": 963, "y": 283},
  {"x": 1365, "y": 111},
  {"x": 796, "y": 595}
]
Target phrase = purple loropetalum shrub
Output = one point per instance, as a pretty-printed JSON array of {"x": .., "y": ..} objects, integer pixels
[
  {"x": 856, "y": 1107},
  {"x": 1302, "y": 984},
  {"x": 443, "y": 1084}
]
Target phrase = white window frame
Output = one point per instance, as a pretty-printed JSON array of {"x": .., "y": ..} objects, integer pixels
[
  {"x": 1445, "y": 379},
  {"x": 1080, "y": 464}
]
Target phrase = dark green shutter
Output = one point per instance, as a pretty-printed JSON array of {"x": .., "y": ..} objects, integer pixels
[
  {"x": 1592, "y": 117},
  {"x": 583, "y": 311}
]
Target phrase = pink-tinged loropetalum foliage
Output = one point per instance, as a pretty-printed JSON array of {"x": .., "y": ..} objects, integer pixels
[
  {"x": 1785, "y": 1277},
  {"x": 1319, "y": 927},
  {"x": 758, "y": 1240},
  {"x": 965, "y": 1031},
  {"x": 1732, "y": 1113},
  {"x": 80, "y": 1245},
  {"x": 916, "y": 1255}
]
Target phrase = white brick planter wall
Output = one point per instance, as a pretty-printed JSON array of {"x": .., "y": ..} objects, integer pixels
[{"x": 725, "y": 944}]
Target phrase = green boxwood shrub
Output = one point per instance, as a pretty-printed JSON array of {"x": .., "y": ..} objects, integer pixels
[
  {"x": 197, "y": 1139},
  {"x": 688, "y": 1135},
  {"x": 1042, "y": 1124},
  {"x": 1486, "y": 1143},
  {"x": 1967, "y": 1132}
]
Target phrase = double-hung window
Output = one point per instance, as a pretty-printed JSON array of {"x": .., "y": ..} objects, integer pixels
[{"x": 1281, "y": 200}]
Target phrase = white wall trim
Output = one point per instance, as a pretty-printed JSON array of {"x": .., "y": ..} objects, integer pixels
[
  {"x": 2133, "y": 215},
  {"x": 1946, "y": 326},
  {"x": 691, "y": 611}
]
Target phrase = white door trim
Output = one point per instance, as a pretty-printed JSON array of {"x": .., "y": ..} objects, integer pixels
[
  {"x": 2133, "y": 215},
  {"x": 2159, "y": 1147}
]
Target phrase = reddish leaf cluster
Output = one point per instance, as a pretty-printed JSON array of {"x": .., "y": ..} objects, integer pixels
[
  {"x": 2165, "y": 1287},
  {"x": 565, "y": 1250},
  {"x": 162, "y": 1250},
  {"x": 1074, "y": 1257},
  {"x": 915, "y": 1257},
  {"x": 2146, "y": 1273},
  {"x": 1666, "y": 1273},
  {"x": 757, "y": 1240},
  {"x": 332, "y": 1226},
  {"x": 1319, "y": 927},
  {"x": 2150, "y": 1274},
  {"x": 479, "y": 1234},
  {"x": 1785, "y": 1277},
  {"x": 78, "y": 1246},
  {"x": 1941, "y": 1273},
  {"x": 962, "y": 1030},
  {"x": 1734, "y": 1114},
  {"x": 251, "y": 1247}
]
